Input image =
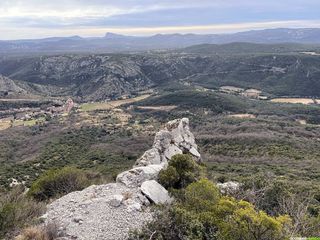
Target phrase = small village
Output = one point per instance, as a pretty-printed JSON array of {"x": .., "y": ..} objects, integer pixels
[{"x": 29, "y": 116}]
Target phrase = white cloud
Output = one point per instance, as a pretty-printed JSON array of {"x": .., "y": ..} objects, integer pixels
[
  {"x": 42, "y": 18},
  {"x": 98, "y": 8},
  {"x": 102, "y": 11}
]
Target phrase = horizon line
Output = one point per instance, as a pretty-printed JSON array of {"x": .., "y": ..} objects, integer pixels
[{"x": 212, "y": 29}]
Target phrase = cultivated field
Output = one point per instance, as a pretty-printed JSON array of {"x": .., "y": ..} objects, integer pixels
[
  {"x": 110, "y": 104},
  {"x": 158, "y": 108},
  {"x": 4, "y": 124},
  {"x": 296, "y": 100},
  {"x": 245, "y": 115},
  {"x": 18, "y": 100}
]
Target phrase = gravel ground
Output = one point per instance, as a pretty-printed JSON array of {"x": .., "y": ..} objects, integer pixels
[{"x": 104, "y": 212}]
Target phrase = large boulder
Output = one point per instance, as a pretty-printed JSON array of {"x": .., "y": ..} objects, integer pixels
[
  {"x": 136, "y": 176},
  {"x": 155, "y": 192}
]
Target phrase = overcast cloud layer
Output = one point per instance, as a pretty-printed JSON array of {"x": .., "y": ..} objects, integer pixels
[{"x": 42, "y": 18}]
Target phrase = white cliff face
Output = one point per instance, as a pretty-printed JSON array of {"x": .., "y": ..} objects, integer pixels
[{"x": 108, "y": 212}]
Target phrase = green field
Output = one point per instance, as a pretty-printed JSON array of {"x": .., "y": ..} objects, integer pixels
[{"x": 86, "y": 107}]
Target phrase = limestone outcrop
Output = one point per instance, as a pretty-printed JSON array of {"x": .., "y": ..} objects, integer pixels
[
  {"x": 108, "y": 212},
  {"x": 175, "y": 138}
]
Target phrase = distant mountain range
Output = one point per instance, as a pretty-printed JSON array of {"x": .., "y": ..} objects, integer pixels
[
  {"x": 119, "y": 43},
  {"x": 290, "y": 69}
]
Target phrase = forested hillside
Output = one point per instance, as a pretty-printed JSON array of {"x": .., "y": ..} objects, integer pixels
[{"x": 279, "y": 70}]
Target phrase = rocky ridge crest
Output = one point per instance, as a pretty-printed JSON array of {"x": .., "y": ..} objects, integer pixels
[{"x": 108, "y": 212}]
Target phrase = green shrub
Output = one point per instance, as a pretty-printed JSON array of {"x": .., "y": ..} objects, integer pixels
[
  {"x": 247, "y": 223},
  {"x": 16, "y": 209},
  {"x": 182, "y": 171},
  {"x": 273, "y": 196},
  {"x": 204, "y": 214},
  {"x": 201, "y": 196},
  {"x": 54, "y": 183}
]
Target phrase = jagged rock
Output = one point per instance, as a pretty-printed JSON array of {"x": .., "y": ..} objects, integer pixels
[
  {"x": 162, "y": 140},
  {"x": 136, "y": 176},
  {"x": 151, "y": 156},
  {"x": 195, "y": 152},
  {"x": 155, "y": 192},
  {"x": 182, "y": 136},
  {"x": 176, "y": 138},
  {"x": 171, "y": 151}
]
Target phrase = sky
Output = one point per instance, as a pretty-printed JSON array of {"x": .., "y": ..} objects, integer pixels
[{"x": 29, "y": 19}]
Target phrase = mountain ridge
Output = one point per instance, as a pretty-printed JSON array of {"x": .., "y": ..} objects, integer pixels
[
  {"x": 278, "y": 69},
  {"x": 113, "y": 42}
]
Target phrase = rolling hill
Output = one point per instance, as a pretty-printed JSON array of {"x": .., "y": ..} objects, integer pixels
[{"x": 276, "y": 69}]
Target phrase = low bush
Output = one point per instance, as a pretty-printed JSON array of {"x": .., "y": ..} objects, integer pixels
[
  {"x": 16, "y": 209},
  {"x": 54, "y": 183},
  {"x": 203, "y": 214},
  {"x": 276, "y": 197},
  {"x": 182, "y": 171}
]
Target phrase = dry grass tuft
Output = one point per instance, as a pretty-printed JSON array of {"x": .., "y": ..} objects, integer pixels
[
  {"x": 127, "y": 195},
  {"x": 46, "y": 232},
  {"x": 32, "y": 233}
]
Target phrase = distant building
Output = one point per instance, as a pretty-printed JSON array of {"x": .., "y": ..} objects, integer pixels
[
  {"x": 263, "y": 98},
  {"x": 252, "y": 93},
  {"x": 68, "y": 105}
]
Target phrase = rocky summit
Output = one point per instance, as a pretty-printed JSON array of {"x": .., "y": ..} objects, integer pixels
[{"x": 110, "y": 211}]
